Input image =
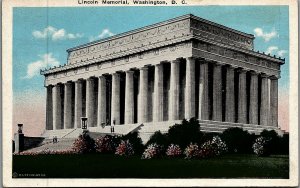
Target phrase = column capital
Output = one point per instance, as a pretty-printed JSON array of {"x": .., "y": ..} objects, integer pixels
[
  {"x": 202, "y": 61},
  {"x": 58, "y": 84},
  {"x": 68, "y": 83},
  {"x": 229, "y": 66},
  {"x": 175, "y": 61},
  {"x": 217, "y": 64},
  {"x": 274, "y": 77},
  {"x": 263, "y": 75},
  {"x": 191, "y": 58},
  {"x": 91, "y": 78},
  {"x": 116, "y": 74},
  {"x": 79, "y": 80},
  {"x": 242, "y": 70},
  {"x": 129, "y": 72},
  {"x": 102, "y": 78},
  {"x": 145, "y": 68},
  {"x": 252, "y": 72}
]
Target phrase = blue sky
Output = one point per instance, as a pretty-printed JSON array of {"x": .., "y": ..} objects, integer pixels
[{"x": 41, "y": 36}]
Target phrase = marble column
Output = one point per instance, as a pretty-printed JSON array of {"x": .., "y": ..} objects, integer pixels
[
  {"x": 90, "y": 102},
  {"x": 274, "y": 102},
  {"x": 158, "y": 94},
  {"x": 204, "y": 103},
  {"x": 174, "y": 91},
  {"x": 190, "y": 88},
  {"x": 68, "y": 106},
  {"x": 49, "y": 107},
  {"x": 101, "y": 112},
  {"x": 230, "y": 101},
  {"x": 129, "y": 98},
  {"x": 253, "y": 108},
  {"x": 78, "y": 103},
  {"x": 115, "y": 99},
  {"x": 57, "y": 110},
  {"x": 242, "y": 98},
  {"x": 264, "y": 102},
  {"x": 217, "y": 93},
  {"x": 143, "y": 96}
]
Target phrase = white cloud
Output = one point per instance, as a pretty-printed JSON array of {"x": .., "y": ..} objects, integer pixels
[
  {"x": 271, "y": 49},
  {"x": 46, "y": 60},
  {"x": 281, "y": 53},
  {"x": 266, "y": 36},
  {"x": 55, "y": 34},
  {"x": 104, "y": 33}
]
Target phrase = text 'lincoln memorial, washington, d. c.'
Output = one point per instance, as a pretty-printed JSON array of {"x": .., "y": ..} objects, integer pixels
[{"x": 157, "y": 75}]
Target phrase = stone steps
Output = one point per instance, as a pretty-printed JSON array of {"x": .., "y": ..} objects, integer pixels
[
  {"x": 147, "y": 129},
  {"x": 62, "y": 144}
]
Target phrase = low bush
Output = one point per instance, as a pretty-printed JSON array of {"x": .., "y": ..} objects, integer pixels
[
  {"x": 160, "y": 139},
  {"x": 261, "y": 146},
  {"x": 212, "y": 148},
  {"x": 185, "y": 133},
  {"x": 238, "y": 140},
  {"x": 125, "y": 148},
  {"x": 106, "y": 144},
  {"x": 173, "y": 151},
  {"x": 84, "y": 144},
  {"x": 152, "y": 151},
  {"x": 135, "y": 141},
  {"x": 47, "y": 151},
  {"x": 208, "y": 136},
  {"x": 283, "y": 147},
  {"x": 191, "y": 151},
  {"x": 273, "y": 141}
]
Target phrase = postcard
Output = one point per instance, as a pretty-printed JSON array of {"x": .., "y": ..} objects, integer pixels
[{"x": 150, "y": 93}]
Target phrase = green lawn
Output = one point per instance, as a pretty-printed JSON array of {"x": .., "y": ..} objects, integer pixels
[{"x": 110, "y": 166}]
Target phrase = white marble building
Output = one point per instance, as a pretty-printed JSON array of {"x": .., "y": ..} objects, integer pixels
[{"x": 160, "y": 74}]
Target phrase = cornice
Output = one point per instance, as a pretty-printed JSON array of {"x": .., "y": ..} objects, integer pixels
[
  {"x": 135, "y": 31},
  {"x": 222, "y": 26}
]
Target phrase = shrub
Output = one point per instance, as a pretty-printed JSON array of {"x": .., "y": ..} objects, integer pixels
[
  {"x": 220, "y": 146},
  {"x": 261, "y": 146},
  {"x": 213, "y": 147},
  {"x": 84, "y": 144},
  {"x": 160, "y": 139},
  {"x": 105, "y": 144},
  {"x": 124, "y": 149},
  {"x": 47, "y": 151},
  {"x": 207, "y": 150},
  {"x": 284, "y": 144},
  {"x": 191, "y": 151},
  {"x": 174, "y": 151},
  {"x": 238, "y": 140},
  {"x": 208, "y": 136},
  {"x": 273, "y": 141},
  {"x": 153, "y": 150},
  {"x": 135, "y": 141},
  {"x": 185, "y": 133}
]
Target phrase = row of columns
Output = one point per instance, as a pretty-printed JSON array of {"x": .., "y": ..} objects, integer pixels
[{"x": 262, "y": 107}]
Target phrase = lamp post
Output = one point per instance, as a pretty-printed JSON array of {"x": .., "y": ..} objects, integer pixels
[
  {"x": 19, "y": 139},
  {"x": 84, "y": 124},
  {"x": 20, "y": 128}
]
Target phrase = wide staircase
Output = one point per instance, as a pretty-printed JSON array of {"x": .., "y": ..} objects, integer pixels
[{"x": 66, "y": 137}]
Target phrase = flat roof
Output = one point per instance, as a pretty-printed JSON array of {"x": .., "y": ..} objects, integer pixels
[{"x": 183, "y": 17}]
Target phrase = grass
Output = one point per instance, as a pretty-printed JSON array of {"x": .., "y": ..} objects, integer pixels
[{"x": 110, "y": 166}]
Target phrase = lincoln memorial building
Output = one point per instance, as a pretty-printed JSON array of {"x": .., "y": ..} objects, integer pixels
[{"x": 160, "y": 74}]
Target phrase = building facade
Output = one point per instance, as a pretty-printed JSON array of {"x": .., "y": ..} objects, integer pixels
[{"x": 162, "y": 73}]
